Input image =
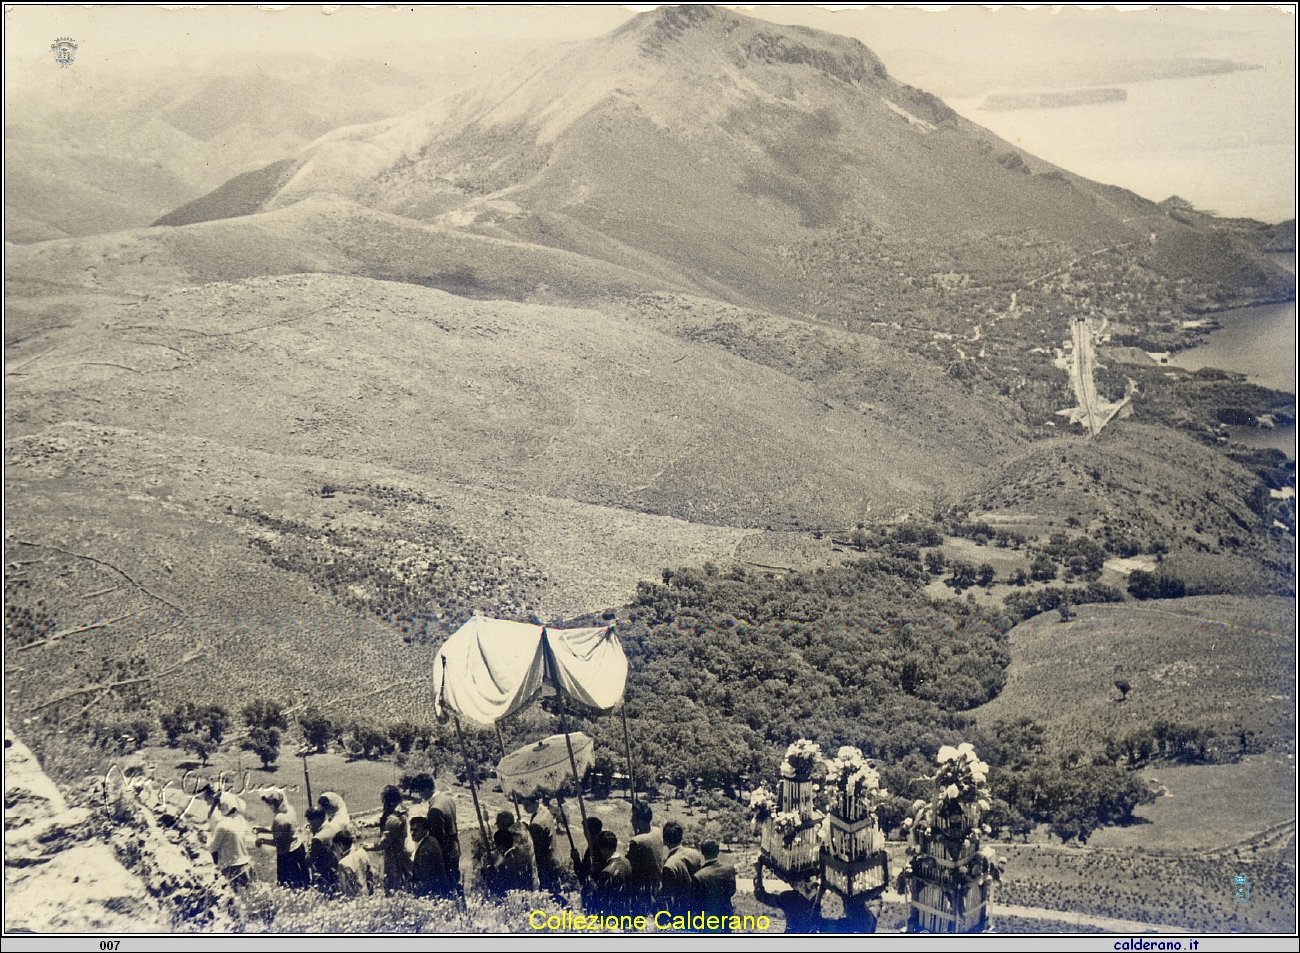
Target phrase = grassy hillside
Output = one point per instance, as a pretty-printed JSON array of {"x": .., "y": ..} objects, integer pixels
[
  {"x": 561, "y": 402},
  {"x": 1221, "y": 664},
  {"x": 1141, "y": 488},
  {"x": 187, "y": 545}
]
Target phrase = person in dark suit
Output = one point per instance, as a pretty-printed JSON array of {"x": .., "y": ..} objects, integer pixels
[
  {"x": 590, "y": 863},
  {"x": 716, "y": 882},
  {"x": 613, "y": 882},
  {"x": 678, "y": 874},
  {"x": 428, "y": 866}
]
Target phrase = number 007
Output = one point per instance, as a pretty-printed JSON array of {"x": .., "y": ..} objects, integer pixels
[{"x": 109, "y": 944}]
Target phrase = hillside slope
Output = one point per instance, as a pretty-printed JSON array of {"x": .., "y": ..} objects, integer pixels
[
  {"x": 1218, "y": 663},
  {"x": 574, "y": 404},
  {"x": 747, "y": 136}
]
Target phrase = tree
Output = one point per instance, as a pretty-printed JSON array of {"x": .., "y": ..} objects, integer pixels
[
  {"x": 188, "y": 720},
  {"x": 403, "y": 734},
  {"x": 1043, "y": 568},
  {"x": 935, "y": 561},
  {"x": 265, "y": 714},
  {"x": 215, "y": 720},
  {"x": 1124, "y": 687},
  {"x": 1001, "y": 816},
  {"x": 175, "y": 723},
  {"x": 263, "y": 742},
  {"x": 963, "y": 575},
  {"x": 316, "y": 728},
  {"x": 985, "y": 575},
  {"x": 197, "y": 743},
  {"x": 368, "y": 740}
]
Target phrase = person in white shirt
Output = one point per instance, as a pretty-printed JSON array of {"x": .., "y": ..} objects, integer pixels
[{"x": 229, "y": 841}]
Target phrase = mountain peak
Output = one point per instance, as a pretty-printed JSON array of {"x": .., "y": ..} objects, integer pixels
[{"x": 746, "y": 41}]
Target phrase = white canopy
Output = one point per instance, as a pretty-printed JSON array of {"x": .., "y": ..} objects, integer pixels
[
  {"x": 492, "y": 668},
  {"x": 543, "y": 768}
]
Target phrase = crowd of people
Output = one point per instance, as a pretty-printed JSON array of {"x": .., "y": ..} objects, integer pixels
[{"x": 418, "y": 851}]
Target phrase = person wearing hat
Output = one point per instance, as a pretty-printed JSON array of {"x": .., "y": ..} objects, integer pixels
[
  {"x": 230, "y": 839},
  {"x": 290, "y": 851},
  {"x": 716, "y": 882}
]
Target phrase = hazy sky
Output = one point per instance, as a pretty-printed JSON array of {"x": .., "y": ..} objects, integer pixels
[
  {"x": 1226, "y": 144},
  {"x": 159, "y": 35}
]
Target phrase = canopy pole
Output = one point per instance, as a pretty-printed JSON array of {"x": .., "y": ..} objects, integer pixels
[
  {"x": 473, "y": 788},
  {"x": 577, "y": 781},
  {"x": 305, "y": 776},
  {"x": 514, "y": 799},
  {"x": 564, "y": 819},
  {"x": 627, "y": 742},
  {"x": 549, "y": 662}
]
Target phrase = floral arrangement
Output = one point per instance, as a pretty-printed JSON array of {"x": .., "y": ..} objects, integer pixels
[
  {"x": 800, "y": 759},
  {"x": 762, "y": 805},
  {"x": 962, "y": 776},
  {"x": 851, "y": 773},
  {"x": 787, "y": 823}
]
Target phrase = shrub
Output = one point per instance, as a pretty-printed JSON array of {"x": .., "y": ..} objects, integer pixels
[
  {"x": 1043, "y": 568},
  {"x": 1148, "y": 585}
]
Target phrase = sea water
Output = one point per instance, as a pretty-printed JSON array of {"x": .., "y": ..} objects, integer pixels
[
  {"x": 1259, "y": 342},
  {"x": 1225, "y": 143}
]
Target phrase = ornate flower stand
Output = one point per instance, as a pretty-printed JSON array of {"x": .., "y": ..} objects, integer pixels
[
  {"x": 948, "y": 883},
  {"x": 855, "y": 864},
  {"x": 794, "y": 855}
]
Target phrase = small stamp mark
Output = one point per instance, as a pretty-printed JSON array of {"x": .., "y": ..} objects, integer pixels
[
  {"x": 64, "y": 50},
  {"x": 1241, "y": 889}
]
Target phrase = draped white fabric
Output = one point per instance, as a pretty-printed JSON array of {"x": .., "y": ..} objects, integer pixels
[{"x": 491, "y": 668}]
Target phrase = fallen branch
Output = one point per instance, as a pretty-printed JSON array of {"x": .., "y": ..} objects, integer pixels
[
  {"x": 99, "y": 592},
  {"x": 123, "y": 572},
  {"x": 103, "y": 689},
  {"x": 764, "y": 566},
  {"x": 63, "y": 635}
]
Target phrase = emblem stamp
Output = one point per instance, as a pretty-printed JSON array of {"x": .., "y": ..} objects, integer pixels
[
  {"x": 1241, "y": 889},
  {"x": 64, "y": 50}
]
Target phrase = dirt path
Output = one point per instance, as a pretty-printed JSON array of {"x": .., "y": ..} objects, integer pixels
[{"x": 1081, "y": 919}]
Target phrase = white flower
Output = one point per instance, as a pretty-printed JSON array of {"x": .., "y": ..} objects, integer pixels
[
  {"x": 952, "y": 791},
  {"x": 967, "y": 749},
  {"x": 947, "y": 753}
]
